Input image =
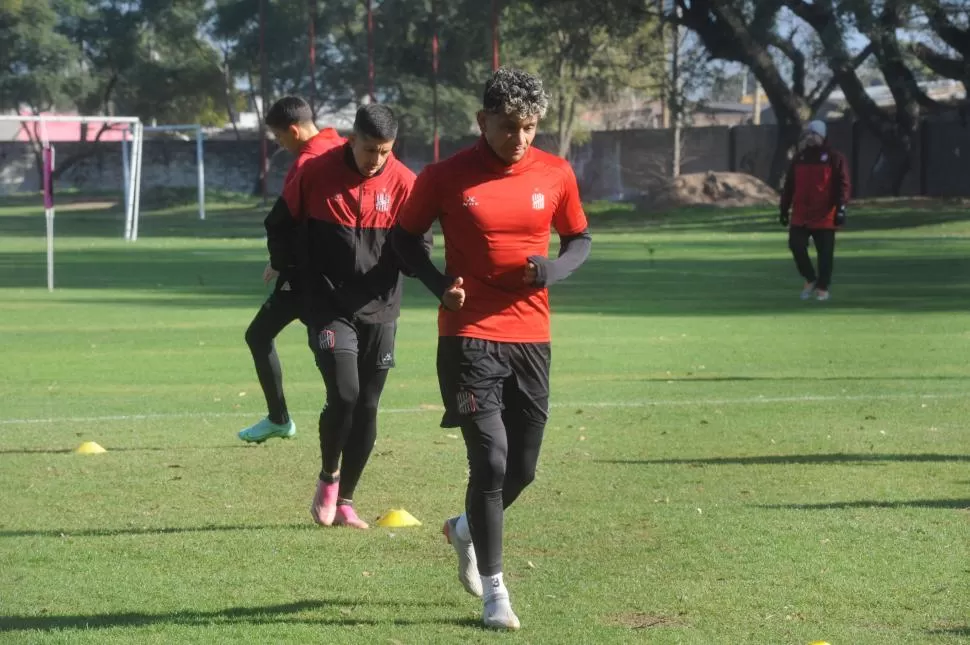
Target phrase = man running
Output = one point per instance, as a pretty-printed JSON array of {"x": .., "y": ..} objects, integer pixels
[
  {"x": 347, "y": 199},
  {"x": 496, "y": 202},
  {"x": 291, "y": 121}
]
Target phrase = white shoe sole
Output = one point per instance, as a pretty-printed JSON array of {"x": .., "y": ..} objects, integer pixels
[{"x": 501, "y": 617}]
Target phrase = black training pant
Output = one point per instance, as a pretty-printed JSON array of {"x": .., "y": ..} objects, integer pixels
[
  {"x": 282, "y": 307},
  {"x": 824, "y": 239},
  {"x": 354, "y": 359},
  {"x": 498, "y": 393}
]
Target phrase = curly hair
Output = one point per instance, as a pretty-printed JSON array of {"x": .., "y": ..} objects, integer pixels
[{"x": 515, "y": 92}]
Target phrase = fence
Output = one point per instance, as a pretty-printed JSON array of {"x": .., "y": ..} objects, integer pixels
[{"x": 612, "y": 165}]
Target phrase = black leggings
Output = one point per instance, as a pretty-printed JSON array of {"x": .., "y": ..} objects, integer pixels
[
  {"x": 824, "y": 239},
  {"x": 354, "y": 381},
  {"x": 279, "y": 310},
  {"x": 503, "y": 450}
]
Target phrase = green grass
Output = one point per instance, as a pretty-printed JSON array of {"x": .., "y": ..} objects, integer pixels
[{"x": 724, "y": 463}]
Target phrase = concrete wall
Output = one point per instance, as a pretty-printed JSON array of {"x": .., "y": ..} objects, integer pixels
[{"x": 612, "y": 165}]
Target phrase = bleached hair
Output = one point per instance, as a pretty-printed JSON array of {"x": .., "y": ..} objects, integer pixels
[{"x": 517, "y": 93}]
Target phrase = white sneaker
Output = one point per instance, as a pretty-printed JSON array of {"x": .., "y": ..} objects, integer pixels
[
  {"x": 467, "y": 563},
  {"x": 808, "y": 290},
  {"x": 498, "y": 613},
  {"x": 823, "y": 295}
]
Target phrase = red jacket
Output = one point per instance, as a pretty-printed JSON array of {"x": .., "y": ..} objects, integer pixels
[
  {"x": 314, "y": 147},
  {"x": 341, "y": 220},
  {"x": 816, "y": 186}
]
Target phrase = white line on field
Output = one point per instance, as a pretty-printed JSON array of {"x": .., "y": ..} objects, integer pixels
[{"x": 583, "y": 404}]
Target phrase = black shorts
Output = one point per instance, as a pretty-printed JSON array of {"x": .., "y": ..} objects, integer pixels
[
  {"x": 372, "y": 343},
  {"x": 481, "y": 377},
  {"x": 287, "y": 302}
]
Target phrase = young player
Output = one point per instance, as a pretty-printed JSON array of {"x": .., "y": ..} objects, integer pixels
[
  {"x": 347, "y": 199},
  {"x": 816, "y": 192},
  {"x": 291, "y": 121},
  {"x": 495, "y": 202}
]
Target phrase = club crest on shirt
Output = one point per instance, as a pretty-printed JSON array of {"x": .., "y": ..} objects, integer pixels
[
  {"x": 538, "y": 201},
  {"x": 382, "y": 202}
]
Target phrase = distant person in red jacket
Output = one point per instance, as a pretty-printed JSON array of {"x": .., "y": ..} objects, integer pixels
[{"x": 816, "y": 192}]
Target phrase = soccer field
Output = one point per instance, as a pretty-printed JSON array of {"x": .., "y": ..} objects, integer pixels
[{"x": 724, "y": 463}]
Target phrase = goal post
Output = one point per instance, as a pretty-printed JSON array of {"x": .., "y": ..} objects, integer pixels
[
  {"x": 199, "y": 155},
  {"x": 132, "y": 184}
]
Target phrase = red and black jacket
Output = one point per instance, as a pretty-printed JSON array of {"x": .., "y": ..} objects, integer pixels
[
  {"x": 341, "y": 220},
  {"x": 817, "y": 185}
]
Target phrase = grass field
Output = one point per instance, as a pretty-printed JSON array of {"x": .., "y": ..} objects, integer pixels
[{"x": 724, "y": 463}]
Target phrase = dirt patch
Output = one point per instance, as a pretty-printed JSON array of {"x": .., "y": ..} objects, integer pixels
[
  {"x": 714, "y": 189},
  {"x": 642, "y": 620},
  {"x": 85, "y": 206}
]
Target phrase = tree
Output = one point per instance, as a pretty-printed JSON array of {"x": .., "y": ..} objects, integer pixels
[
  {"x": 104, "y": 58},
  {"x": 35, "y": 63},
  {"x": 585, "y": 52},
  {"x": 751, "y": 33},
  {"x": 35, "y": 60},
  {"x": 950, "y": 55},
  {"x": 895, "y": 127}
]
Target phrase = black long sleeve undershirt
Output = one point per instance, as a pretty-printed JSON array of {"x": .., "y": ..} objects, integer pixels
[
  {"x": 573, "y": 251},
  {"x": 413, "y": 252}
]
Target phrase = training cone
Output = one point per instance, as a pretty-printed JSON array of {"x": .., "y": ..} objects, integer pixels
[
  {"x": 818, "y": 643},
  {"x": 397, "y": 518},
  {"x": 89, "y": 448}
]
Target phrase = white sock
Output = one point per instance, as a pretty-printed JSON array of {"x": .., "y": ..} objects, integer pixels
[
  {"x": 461, "y": 528},
  {"x": 494, "y": 586}
]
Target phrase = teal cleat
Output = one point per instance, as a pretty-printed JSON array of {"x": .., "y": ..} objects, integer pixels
[{"x": 266, "y": 429}]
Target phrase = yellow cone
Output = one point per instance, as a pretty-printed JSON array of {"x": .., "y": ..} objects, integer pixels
[
  {"x": 397, "y": 518},
  {"x": 89, "y": 448},
  {"x": 818, "y": 643}
]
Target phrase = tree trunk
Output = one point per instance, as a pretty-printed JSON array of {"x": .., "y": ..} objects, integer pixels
[
  {"x": 788, "y": 134},
  {"x": 894, "y": 163},
  {"x": 566, "y": 131},
  {"x": 228, "y": 92}
]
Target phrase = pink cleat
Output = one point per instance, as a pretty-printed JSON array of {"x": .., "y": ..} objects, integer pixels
[
  {"x": 346, "y": 516},
  {"x": 324, "y": 508}
]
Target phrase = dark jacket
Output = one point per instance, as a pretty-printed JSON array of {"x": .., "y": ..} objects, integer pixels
[
  {"x": 816, "y": 186},
  {"x": 341, "y": 221}
]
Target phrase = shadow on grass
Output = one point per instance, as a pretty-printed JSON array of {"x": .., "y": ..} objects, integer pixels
[
  {"x": 780, "y": 460},
  {"x": 64, "y": 451},
  {"x": 268, "y": 615},
  {"x": 764, "y": 219},
  {"x": 796, "y": 379},
  {"x": 958, "y": 504},
  {"x": 612, "y": 282},
  {"x": 163, "y": 530},
  {"x": 161, "y": 215},
  {"x": 950, "y": 631}
]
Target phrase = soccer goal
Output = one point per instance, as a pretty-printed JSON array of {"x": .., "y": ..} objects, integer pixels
[
  {"x": 199, "y": 158},
  {"x": 134, "y": 129}
]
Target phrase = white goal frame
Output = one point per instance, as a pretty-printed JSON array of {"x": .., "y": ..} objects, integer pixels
[
  {"x": 199, "y": 158},
  {"x": 133, "y": 183}
]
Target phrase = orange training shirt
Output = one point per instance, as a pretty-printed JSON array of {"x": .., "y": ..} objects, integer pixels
[{"x": 494, "y": 217}]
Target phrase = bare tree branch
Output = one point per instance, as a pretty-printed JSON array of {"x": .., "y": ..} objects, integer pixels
[{"x": 821, "y": 93}]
